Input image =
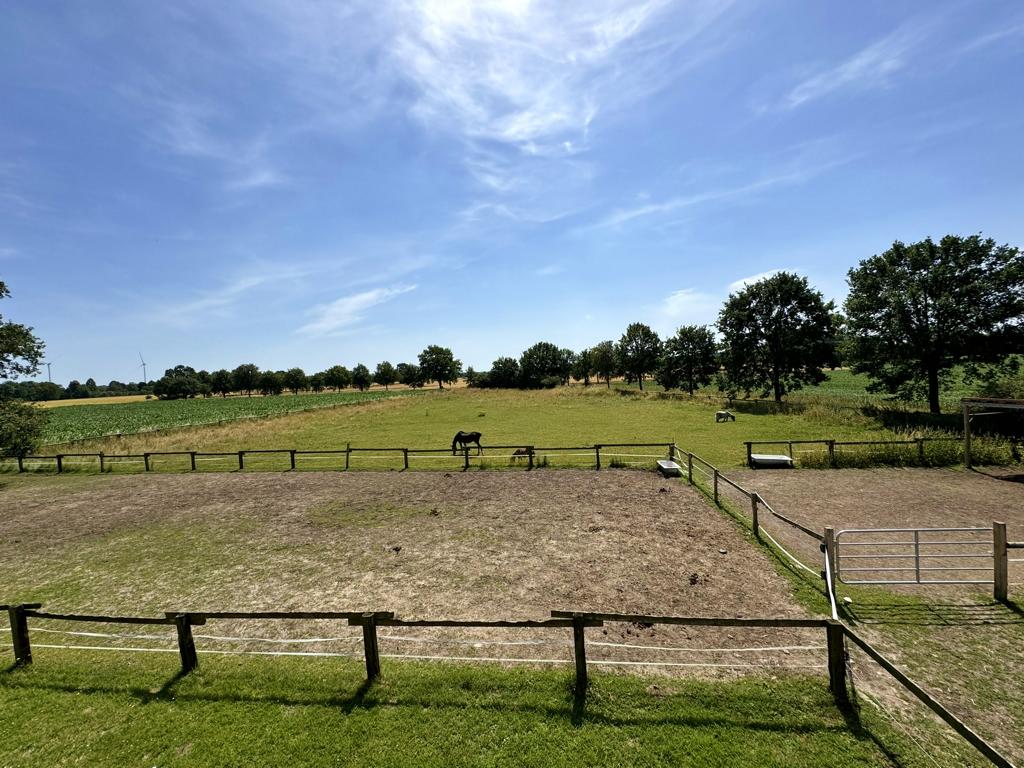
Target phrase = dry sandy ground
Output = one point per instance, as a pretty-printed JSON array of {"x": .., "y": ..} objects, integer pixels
[{"x": 483, "y": 545}]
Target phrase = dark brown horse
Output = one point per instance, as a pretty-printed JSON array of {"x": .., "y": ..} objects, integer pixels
[{"x": 463, "y": 439}]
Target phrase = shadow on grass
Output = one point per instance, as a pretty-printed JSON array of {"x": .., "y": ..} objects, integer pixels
[
  {"x": 851, "y": 716},
  {"x": 935, "y": 614}
]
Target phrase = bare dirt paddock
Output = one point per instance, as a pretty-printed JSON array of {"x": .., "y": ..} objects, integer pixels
[{"x": 481, "y": 545}]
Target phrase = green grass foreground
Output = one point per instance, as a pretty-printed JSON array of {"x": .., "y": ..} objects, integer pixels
[{"x": 130, "y": 709}]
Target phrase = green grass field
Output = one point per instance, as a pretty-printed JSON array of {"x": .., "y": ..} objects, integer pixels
[{"x": 82, "y": 708}]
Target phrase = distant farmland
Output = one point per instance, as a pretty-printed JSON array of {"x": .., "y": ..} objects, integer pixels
[{"x": 81, "y": 422}]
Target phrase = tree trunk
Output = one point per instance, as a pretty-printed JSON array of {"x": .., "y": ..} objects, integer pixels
[
  {"x": 608, "y": 381},
  {"x": 777, "y": 387},
  {"x": 640, "y": 378},
  {"x": 439, "y": 384},
  {"x": 933, "y": 390}
]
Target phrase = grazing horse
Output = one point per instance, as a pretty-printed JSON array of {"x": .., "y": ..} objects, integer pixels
[{"x": 463, "y": 439}]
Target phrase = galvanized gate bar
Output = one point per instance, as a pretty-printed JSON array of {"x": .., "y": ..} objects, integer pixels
[{"x": 918, "y": 560}]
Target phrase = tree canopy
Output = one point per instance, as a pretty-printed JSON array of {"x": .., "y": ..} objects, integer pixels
[
  {"x": 638, "y": 351},
  {"x": 917, "y": 310},
  {"x": 439, "y": 364},
  {"x": 295, "y": 379},
  {"x": 606, "y": 364},
  {"x": 689, "y": 359},
  {"x": 410, "y": 375},
  {"x": 776, "y": 336},
  {"x": 385, "y": 375},
  {"x": 504, "y": 373},
  {"x": 20, "y": 350},
  {"x": 246, "y": 378},
  {"x": 540, "y": 364},
  {"x": 361, "y": 377}
]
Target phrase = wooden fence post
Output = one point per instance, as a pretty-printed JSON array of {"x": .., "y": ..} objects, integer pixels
[
  {"x": 750, "y": 451},
  {"x": 920, "y": 450},
  {"x": 689, "y": 467},
  {"x": 291, "y": 459},
  {"x": 21, "y": 463},
  {"x": 405, "y": 458},
  {"x": 19, "y": 635},
  {"x": 60, "y": 463},
  {"x": 241, "y": 461},
  {"x": 348, "y": 452},
  {"x": 192, "y": 459},
  {"x": 145, "y": 461},
  {"x": 529, "y": 455},
  {"x": 716, "y": 485},
  {"x": 830, "y": 553},
  {"x": 671, "y": 451},
  {"x": 101, "y": 462},
  {"x": 597, "y": 457},
  {"x": 754, "y": 498},
  {"x": 580, "y": 649},
  {"x": 836, "y": 638},
  {"x": 832, "y": 453},
  {"x": 465, "y": 458},
  {"x": 371, "y": 650},
  {"x": 186, "y": 643},
  {"x": 1000, "y": 572}
]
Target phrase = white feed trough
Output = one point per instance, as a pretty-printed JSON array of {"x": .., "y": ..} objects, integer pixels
[
  {"x": 669, "y": 468},
  {"x": 770, "y": 461}
]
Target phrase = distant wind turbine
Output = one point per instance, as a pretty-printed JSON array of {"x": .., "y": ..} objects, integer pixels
[{"x": 143, "y": 367}]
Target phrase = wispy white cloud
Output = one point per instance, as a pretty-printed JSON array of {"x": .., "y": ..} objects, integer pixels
[
  {"x": 687, "y": 306},
  {"x": 870, "y": 68},
  {"x": 347, "y": 311},
  {"x": 743, "y": 282},
  {"x": 987, "y": 39},
  {"x": 804, "y": 167}
]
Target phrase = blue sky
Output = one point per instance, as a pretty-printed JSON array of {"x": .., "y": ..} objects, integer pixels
[{"x": 310, "y": 183}]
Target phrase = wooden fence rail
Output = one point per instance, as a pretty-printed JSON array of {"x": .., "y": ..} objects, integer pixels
[
  {"x": 528, "y": 452},
  {"x": 831, "y": 445},
  {"x": 836, "y": 634}
]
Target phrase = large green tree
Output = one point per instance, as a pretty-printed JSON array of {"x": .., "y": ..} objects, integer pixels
[
  {"x": 338, "y": 377},
  {"x": 777, "y": 334},
  {"x": 606, "y": 363},
  {"x": 504, "y": 373},
  {"x": 638, "y": 351},
  {"x": 246, "y": 378},
  {"x": 296, "y": 380},
  {"x": 385, "y": 375},
  {"x": 178, "y": 383},
  {"x": 361, "y": 377},
  {"x": 21, "y": 425},
  {"x": 689, "y": 359},
  {"x": 439, "y": 364},
  {"x": 410, "y": 375},
  {"x": 919, "y": 309},
  {"x": 541, "y": 364},
  {"x": 583, "y": 367}
]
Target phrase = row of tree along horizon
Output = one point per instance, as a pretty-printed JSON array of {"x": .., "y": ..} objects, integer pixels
[{"x": 912, "y": 314}]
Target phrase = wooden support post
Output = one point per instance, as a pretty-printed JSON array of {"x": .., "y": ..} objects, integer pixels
[
  {"x": 580, "y": 652},
  {"x": 790, "y": 446},
  {"x": 19, "y": 635},
  {"x": 241, "y": 460},
  {"x": 689, "y": 467},
  {"x": 465, "y": 458},
  {"x": 192, "y": 459},
  {"x": 101, "y": 462},
  {"x": 832, "y": 453},
  {"x": 750, "y": 451},
  {"x": 405, "y": 458},
  {"x": 1000, "y": 573},
  {"x": 967, "y": 437},
  {"x": 21, "y": 463},
  {"x": 529, "y": 455},
  {"x": 830, "y": 553},
  {"x": 716, "y": 485},
  {"x": 920, "y": 450},
  {"x": 597, "y": 457},
  {"x": 671, "y": 451},
  {"x": 60, "y": 463},
  {"x": 370, "y": 648},
  {"x": 348, "y": 452},
  {"x": 186, "y": 643},
  {"x": 837, "y": 662},
  {"x": 291, "y": 459},
  {"x": 145, "y": 461},
  {"x": 754, "y": 498}
]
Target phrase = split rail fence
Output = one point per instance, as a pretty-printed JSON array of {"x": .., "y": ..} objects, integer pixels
[
  {"x": 596, "y": 456},
  {"x": 836, "y": 636},
  {"x": 834, "y": 448}
]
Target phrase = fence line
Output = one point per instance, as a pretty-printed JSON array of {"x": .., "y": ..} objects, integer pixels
[
  {"x": 528, "y": 454},
  {"x": 831, "y": 445}
]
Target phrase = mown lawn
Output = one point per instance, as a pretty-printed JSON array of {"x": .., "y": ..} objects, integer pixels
[
  {"x": 90, "y": 708},
  {"x": 561, "y": 417}
]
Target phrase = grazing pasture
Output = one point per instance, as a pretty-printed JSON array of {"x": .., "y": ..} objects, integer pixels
[{"x": 559, "y": 417}]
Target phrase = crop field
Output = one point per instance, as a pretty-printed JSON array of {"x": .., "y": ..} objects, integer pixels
[
  {"x": 97, "y": 419},
  {"x": 482, "y": 545}
]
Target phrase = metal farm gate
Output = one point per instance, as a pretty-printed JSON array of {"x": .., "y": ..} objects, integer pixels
[{"x": 914, "y": 556}]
